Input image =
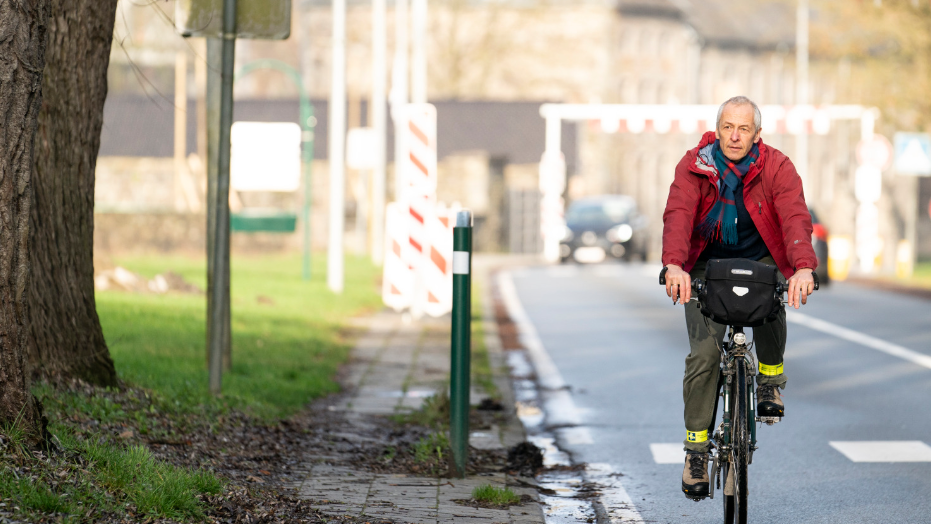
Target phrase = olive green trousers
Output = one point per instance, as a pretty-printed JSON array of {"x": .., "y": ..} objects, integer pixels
[{"x": 699, "y": 386}]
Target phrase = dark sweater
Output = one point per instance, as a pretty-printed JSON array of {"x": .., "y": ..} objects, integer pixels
[{"x": 749, "y": 242}]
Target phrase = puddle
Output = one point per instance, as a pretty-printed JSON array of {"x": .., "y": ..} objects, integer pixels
[
  {"x": 520, "y": 366},
  {"x": 559, "y": 511},
  {"x": 530, "y": 415}
]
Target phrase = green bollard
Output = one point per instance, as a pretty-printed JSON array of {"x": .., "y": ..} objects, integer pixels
[{"x": 461, "y": 341}]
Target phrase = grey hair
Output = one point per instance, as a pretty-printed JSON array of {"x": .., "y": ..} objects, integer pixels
[{"x": 741, "y": 100}]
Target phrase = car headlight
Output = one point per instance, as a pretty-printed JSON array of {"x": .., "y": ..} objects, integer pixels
[
  {"x": 620, "y": 233},
  {"x": 566, "y": 234}
]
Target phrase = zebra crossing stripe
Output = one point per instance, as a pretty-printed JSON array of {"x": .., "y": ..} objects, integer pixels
[{"x": 885, "y": 451}]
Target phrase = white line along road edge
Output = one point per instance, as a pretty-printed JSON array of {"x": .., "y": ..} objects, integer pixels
[
  {"x": 859, "y": 338},
  {"x": 560, "y": 409}
]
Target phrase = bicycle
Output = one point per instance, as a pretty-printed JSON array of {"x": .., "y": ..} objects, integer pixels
[{"x": 735, "y": 437}]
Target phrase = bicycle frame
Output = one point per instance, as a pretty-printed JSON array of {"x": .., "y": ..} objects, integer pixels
[{"x": 731, "y": 354}]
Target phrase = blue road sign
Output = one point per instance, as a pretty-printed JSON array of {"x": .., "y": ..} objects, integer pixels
[{"x": 913, "y": 154}]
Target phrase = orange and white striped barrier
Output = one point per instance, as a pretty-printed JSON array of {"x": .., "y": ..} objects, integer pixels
[
  {"x": 420, "y": 161},
  {"x": 437, "y": 270},
  {"x": 397, "y": 287}
]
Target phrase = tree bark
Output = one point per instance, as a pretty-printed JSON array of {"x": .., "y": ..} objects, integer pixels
[
  {"x": 23, "y": 38},
  {"x": 65, "y": 337}
]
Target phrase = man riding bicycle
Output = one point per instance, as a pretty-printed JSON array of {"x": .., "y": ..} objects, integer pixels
[{"x": 733, "y": 197}]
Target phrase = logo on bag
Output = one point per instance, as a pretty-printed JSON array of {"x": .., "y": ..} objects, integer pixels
[
  {"x": 741, "y": 291},
  {"x": 742, "y": 271}
]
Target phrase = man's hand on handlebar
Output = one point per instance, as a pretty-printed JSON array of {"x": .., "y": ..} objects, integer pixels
[
  {"x": 678, "y": 284},
  {"x": 801, "y": 284}
]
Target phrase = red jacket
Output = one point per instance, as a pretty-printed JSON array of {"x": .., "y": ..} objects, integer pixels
[{"x": 773, "y": 196}]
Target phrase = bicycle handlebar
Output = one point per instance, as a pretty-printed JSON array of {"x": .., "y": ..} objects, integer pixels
[
  {"x": 697, "y": 284},
  {"x": 782, "y": 288}
]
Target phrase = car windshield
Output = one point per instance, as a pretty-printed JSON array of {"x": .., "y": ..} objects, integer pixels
[{"x": 601, "y": 212}]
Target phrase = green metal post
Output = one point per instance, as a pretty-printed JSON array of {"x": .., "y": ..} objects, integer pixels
[
  {"x": 307, "y": 122},
  {"x": 461, "y": 349}
]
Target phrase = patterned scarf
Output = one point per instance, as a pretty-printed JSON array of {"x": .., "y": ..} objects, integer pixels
[{"x": 721, "y": 222}]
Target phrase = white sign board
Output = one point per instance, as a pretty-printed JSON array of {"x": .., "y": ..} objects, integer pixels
[
  {"x": 913, "y": 154},
  {"x": 265, "y": 156},
  {"x": 360, "y": 148}
]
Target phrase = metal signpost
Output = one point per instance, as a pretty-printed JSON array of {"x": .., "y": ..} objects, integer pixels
[
  {"x": 461, "y": 347},
  {"x": 222, "y": 21}
]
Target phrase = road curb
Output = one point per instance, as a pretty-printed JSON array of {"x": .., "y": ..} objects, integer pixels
[{"x": 894, "y": 287}]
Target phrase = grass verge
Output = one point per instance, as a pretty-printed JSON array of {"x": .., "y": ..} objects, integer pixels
[
  {"x": 921, "y": 277},
  {"x": 288, "y": 341}
]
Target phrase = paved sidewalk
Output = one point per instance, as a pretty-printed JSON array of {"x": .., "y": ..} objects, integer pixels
[{"x": 395, "y": 366}]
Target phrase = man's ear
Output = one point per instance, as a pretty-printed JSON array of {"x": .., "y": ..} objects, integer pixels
[
  {"x": 717, "y": 134},
  {"x": 756, "y": 139}
]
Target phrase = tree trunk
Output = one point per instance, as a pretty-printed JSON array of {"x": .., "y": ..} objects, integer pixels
[
  {"x": 23, "y": 37},
  {"x": 65, "y": 338}
]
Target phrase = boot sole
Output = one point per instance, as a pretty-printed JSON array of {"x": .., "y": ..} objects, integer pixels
[
  {"x": 695, "y": 491},
  {"x": 768, "y": 409}
]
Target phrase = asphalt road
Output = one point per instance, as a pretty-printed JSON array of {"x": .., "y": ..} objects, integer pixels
[{"x": 620, "y": 344}]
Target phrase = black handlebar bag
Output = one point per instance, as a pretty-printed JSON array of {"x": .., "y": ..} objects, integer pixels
[{"x": 740, "y": 292}]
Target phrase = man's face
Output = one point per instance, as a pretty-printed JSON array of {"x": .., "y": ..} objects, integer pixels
[{"x": 736, "y": 131}]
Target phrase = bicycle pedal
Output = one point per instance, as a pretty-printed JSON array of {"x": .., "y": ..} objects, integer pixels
[{"x": 769, "y": 421}]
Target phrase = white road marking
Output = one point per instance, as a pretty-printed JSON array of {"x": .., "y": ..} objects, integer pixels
[
  {"x": 560, "y": 409},
  {"x": 884, "y": 450},
  {"x": 859, "y": 338},
  {"x": 617, "y": 503},
  {"x": 547, "y": 372},
  {"x": 558, "y": 404},
  {"x": 668, "y": 453}
]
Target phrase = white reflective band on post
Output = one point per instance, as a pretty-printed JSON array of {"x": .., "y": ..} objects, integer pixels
[{"x": 460, "y": 262}]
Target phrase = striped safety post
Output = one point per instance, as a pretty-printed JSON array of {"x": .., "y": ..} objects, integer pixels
[
  {"x": 461, "y": 347},
  {"x": 420, "y": 174}
]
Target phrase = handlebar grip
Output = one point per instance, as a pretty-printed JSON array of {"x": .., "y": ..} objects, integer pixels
[
  {"x": 662, "y": 276},
  {"x": 783, "y": 288}
]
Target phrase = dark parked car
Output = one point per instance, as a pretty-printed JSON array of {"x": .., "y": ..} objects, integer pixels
[
  {"x": 819, "y": 240},
  {"x": 601, "y": 227}
]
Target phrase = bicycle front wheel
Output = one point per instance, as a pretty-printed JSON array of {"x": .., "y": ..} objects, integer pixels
[{"x": 740, "y": 441}]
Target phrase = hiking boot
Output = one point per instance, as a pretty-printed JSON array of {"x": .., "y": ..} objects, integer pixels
[
  {"x": 695, "y": 475},
  {"x": 769, "y": 401}
]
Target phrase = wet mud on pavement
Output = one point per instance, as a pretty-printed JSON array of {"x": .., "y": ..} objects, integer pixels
[{"x": 570, "y": 491}]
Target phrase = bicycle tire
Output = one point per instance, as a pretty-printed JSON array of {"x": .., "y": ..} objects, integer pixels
[{"x": 740, "y": 442}]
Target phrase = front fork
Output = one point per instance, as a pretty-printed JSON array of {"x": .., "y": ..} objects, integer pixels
[{"x": 725, "y": 379}]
